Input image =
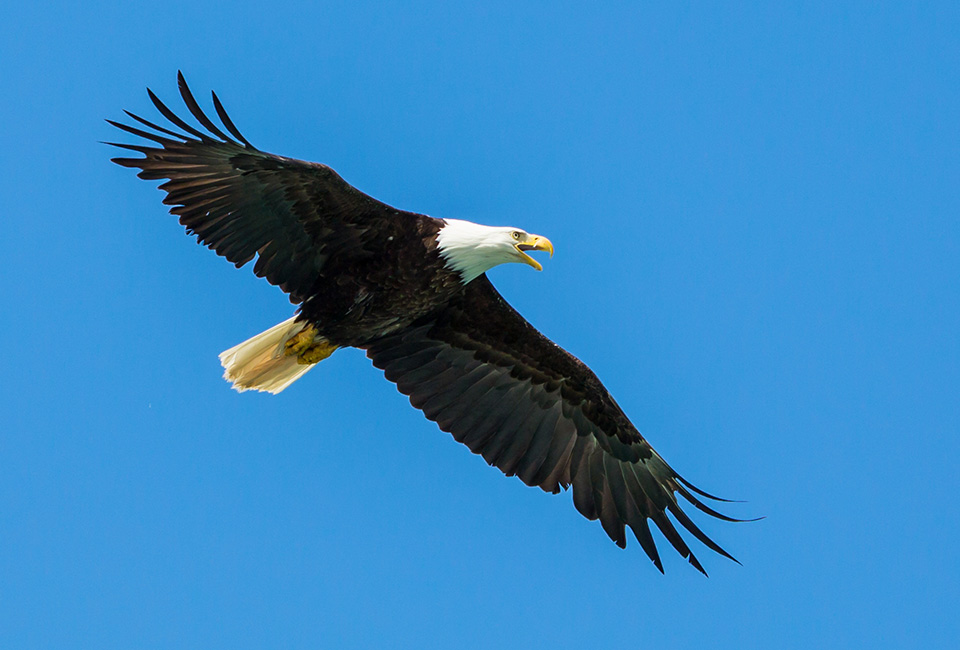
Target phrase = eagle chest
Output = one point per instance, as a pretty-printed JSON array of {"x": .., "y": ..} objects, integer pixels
[{"x": 374, "y": 298}]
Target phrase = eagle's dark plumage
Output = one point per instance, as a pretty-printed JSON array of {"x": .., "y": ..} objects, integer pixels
[{"x": 370, "y": 276}]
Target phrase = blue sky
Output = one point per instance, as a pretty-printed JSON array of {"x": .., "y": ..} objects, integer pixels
[{"x": 755, "y": 211}]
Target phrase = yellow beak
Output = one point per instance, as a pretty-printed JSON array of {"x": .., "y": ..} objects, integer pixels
[{"x": 534, "y": 243}]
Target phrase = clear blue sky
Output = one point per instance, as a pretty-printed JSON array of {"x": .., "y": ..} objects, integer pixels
[{"x": 756, "y": 211}]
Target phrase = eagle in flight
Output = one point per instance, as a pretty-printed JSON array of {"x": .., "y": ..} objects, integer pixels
[{"x": 412, "y": 292}]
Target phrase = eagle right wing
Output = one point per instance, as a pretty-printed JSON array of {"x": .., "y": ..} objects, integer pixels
[
  {"x": 292, "y": 215},
  {"x": 483, "y": 373}
]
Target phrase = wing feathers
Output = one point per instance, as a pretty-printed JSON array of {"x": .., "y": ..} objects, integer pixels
[
  {"x": 554, "y": 472},
  {"x": 170, "y": 115},
  {"x": 293, "y": 216},
  {"x": 484, "y": 375},
  {"x": 536, "y": 448},
  {"x": 583, "y": 495},
  {"x": 610, "y": 519},
  {"x": 227, "y": 122},
  {"x": 194, "y": 108},
  {"x": 497, "y": 446},
  {"x": 142, "y": 134},
  {"x": 153, "y": 126},
  {"x": 641, "y": 531},
  {"x": 510, "y": 412}
]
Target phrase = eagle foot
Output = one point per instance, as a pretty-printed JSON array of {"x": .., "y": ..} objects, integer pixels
[
  {"x": 308, "y": 347},
  {"x": 300, "y": 342},
  {"x": 316, "y": 352}
]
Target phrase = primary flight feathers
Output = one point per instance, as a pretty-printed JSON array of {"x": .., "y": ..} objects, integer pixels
[{"x": 411, "y": 291}]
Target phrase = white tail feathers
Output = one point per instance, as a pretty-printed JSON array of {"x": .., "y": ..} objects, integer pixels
[{"x": 259, "y": 363}]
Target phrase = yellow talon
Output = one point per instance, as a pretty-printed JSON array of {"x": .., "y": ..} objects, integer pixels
[
  {"x": 308, "y": 347},
  {"x": 299, "y": 343},
  {"x": 316, "y": 353}
]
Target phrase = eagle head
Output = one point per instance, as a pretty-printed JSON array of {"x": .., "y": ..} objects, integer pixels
[{"x": 473, "y": 249}]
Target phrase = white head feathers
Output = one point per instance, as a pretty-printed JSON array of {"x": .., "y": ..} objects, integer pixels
[{"x": 473, "y": 249}]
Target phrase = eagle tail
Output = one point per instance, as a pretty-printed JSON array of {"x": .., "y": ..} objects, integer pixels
[{"x": 274, "y": 359}]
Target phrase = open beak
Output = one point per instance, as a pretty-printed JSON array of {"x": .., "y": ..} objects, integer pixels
[{"x": 534, "y": 243}]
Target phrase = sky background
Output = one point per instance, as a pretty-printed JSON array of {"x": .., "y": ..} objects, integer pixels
[{"x": 756, "y": 213}]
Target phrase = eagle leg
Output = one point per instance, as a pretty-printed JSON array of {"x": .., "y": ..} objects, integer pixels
[
  {"x": 316, "y": 352},
  {"x": 308, "y": 346}
]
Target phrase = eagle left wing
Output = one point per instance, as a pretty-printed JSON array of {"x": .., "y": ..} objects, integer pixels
[
  {"x": 484, "y": 374},
  {"x": 295, "y": 217}
]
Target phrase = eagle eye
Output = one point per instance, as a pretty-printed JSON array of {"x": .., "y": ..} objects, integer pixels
[{"x": 516, "y": 234}]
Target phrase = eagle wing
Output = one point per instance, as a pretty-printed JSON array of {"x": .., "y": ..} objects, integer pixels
[
  {"x": 484, "y": 374},
  {"x": 241, "y": 202}
]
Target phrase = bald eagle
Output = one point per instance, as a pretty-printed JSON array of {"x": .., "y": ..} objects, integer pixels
[{"x": 411, "y": 291}]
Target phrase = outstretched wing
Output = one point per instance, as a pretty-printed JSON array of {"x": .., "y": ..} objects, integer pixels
[
  {"x": 293, "y": 215},
  {"x": 483, "y": 373}
]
